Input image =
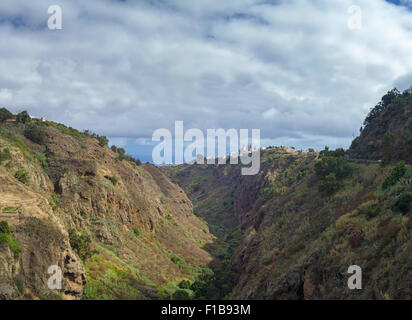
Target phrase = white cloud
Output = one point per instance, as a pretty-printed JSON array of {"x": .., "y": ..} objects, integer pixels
[{"x": 123, "y": 69}]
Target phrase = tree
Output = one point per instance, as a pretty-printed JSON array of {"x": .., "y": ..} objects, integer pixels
[
  {"x": 390, "y": 96},
  {"x": 35, "y": 133},
  {"x": 329, "y": 185},
  {"x": 324, "y": 152},
  {"x": 387, "y": 99},
  {"x": 214, "y": 284},
  {"x": 23, "y": 117},
  {"x": 5, "y": 114},
  {"x": 396, "y": 174},
  {"x": 103, "y": 141},
  {"x": 403, "y": 203},
  {"x": 331, "y": 170}
]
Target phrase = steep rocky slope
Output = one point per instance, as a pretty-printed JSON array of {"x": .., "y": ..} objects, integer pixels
[
  {"x": 294, "y": 242},
  {"x": 387, "y": 131},
  {"x": 293, "y": 230},
  {"x": 116, "y": 229}
]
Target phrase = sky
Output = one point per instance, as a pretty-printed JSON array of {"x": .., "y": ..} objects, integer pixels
[{"x": 293, "y": 69}]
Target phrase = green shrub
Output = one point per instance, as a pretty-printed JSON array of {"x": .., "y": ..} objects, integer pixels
[
  {"x": 184, "y": 284},
  {"x": 335, "y": 165},
  {"x": 403, "y": 203},
  {"x": 5, "y": 115},
  {"x": 5, "y": 155},
  {"x": 329, "y": 185},
  {"x": 123, "y": 156},
  {"x": 22, "y": 176},
  {"x": 331, "y": 170},
  {"x": 35, "y": 133},
  {"x": 4, "y": 227},
  {"x": 137, "y": 232},
  {"x": 181, "y": 295},
  {"x": 56, "y": 201},
  {"x": 19, "y": 284},
  {"x": 113, "y": 180},
  {"x": 5, "y": 237},
  {"x": 370, "y": 209},
  {"x": 388, "y": 250},
  {"x": 213, "y": 284},
  {"x": 21, "y": 145},
  {"x": 23, "y": 117},
  {"x": 80, "y": 243},
  {"x": 128, "y": 158},
  {"x": 103, "y": 141},
  {"x": 178, "y": 261},
  {"x": 42, "y": 159},
  {"x": 10, "y": 209},
  {"x": 396, "y": 174}
]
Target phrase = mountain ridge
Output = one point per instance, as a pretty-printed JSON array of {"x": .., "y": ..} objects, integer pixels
[{"x": 119, "y": 229}]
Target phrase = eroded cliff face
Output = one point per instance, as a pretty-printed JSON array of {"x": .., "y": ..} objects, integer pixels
[
  {"x": 294, "y": 242},
  {"x": 140, "y": 226},
  {"x": 40, "y": 235}
]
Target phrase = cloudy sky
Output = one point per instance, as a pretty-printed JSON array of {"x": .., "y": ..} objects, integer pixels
[{"x": 292, "y": 68}]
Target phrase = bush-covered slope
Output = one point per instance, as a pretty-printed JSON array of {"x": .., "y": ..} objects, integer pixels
[
  {"x": 117, "y": 229},
  {"x": 387, "y": 131},
  {"x": 293, "y": 230},
  {"x": 296, "y": 241}
]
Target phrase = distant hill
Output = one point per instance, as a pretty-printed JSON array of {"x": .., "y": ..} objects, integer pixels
[{"x": 387, "y": 131}]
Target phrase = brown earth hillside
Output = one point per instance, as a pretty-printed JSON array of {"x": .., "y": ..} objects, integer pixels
[{"x": 116, "y": 229}]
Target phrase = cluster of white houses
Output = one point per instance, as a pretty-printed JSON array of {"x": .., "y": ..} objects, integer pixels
[
  {"x": 42, "y": 119},
  {"x": 294, "y": 152}
]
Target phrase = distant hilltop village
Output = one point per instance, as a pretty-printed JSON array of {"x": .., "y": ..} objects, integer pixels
[
  {"x": 292, "y": 151},
  {"x": 7, "y": 117},
  {"x": 247, "y": 150}
]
